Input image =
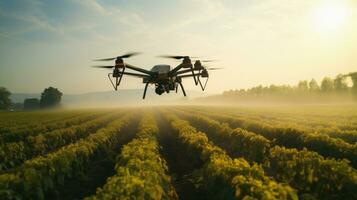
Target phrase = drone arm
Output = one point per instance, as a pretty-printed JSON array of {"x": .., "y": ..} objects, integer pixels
[
  {"x": 176, "y": 69},
  {"x": 189, "y": 75},
  {"x": 134, "y": 74},
  {"x": 115, "y": 83},
  {"x": 203, "y": 86},
  {"x": 138, "y": 69},
  {"x": 183, "y": 71}
]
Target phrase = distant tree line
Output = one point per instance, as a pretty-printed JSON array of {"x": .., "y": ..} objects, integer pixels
[
  {"x": 328, "y": 86},
  {"x": 5, "y": 101},
  {"x": 50, "y": 98}
]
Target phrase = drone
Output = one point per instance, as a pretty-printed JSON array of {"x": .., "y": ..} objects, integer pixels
[{"x": 163, "y": 77}]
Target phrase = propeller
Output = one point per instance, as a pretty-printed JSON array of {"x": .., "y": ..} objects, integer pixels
[
  {"x": 128, "y": 55},
  {"x": 207, "y": 61},
  {"x": 175, "y": 57},
  {"x": 107, "y": 67},
  {"x": 214, "y": 68}
]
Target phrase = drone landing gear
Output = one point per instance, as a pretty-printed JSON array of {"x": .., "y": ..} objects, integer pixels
[
  {"x": 117, "y": 74},
  {"x": 115, "y": 83},
  {"x": 203, "y": 86},
  {"x": 183, "y": 89},
  {"x": 146, "y": 87},
  {"x": 196, "y": 78}
]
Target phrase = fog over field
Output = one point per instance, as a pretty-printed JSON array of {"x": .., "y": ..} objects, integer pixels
[
  {"x": 123, "y": 97},
  {"x": 178, "y": 99}
]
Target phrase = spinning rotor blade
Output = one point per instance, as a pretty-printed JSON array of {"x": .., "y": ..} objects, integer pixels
[
  {"x": 107, "y": 67},
  {"x": 211, "y": 68},
  {"x": 128, "y": 55},
  {"x": 105, "y": 59},
  {"x": 175, "y": 57},
  {"x": 214, "y": 68},
  {"x": 207, "y": 61}
]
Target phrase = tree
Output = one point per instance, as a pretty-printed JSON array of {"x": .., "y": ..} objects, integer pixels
[
  {"x": 17, "y": 106},
  {"x": 274, "y": 89},
  {"x": 327, "y": 85},
  {"x": 5, "y": 101},
  {"x": 354, "y": 80},
  {"x": 340, "y": 84},
  {"x": 314, "y": 86},
  {"x": 31, "y": 104},
  {"x": 303, "y": 86},
  {"x": 50, "y": 97}
]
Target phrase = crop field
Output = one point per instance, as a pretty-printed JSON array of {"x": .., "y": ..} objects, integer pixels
[{"x": 180, "y": 152}]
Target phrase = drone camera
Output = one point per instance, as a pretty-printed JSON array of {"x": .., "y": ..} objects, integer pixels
[{"x": 159, "y": 89}]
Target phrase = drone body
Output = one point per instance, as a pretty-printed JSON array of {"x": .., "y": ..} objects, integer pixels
[{"x": 163, "y": 77}]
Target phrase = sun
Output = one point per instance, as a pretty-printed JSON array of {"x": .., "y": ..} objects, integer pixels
[{"x": 331, "y": 15}]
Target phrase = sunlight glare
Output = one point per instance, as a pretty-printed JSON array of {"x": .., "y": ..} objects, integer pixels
[{"x": 331, "y": 15}]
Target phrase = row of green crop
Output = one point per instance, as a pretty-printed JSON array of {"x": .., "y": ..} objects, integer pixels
[
  {"x": 18, "y": 134},
  {"x": 294, "y": 138},
  {"x": 15, "y": 153},
  {"x": 43, "y": 174},
  {"x": 348, "y": 134},
  {"x": 306, "y": 171},
  {"x": 342, "y": 117},
  {"x": 345, "y": 129},
  {"x": 226, "y": 178},
  {"x": 141, "y": 173},
  {"x": 10, "y": 120},
  {"x": 237, "y": 142}
]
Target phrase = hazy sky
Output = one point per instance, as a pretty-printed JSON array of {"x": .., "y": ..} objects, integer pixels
[{"x": 45, "y": 42}]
